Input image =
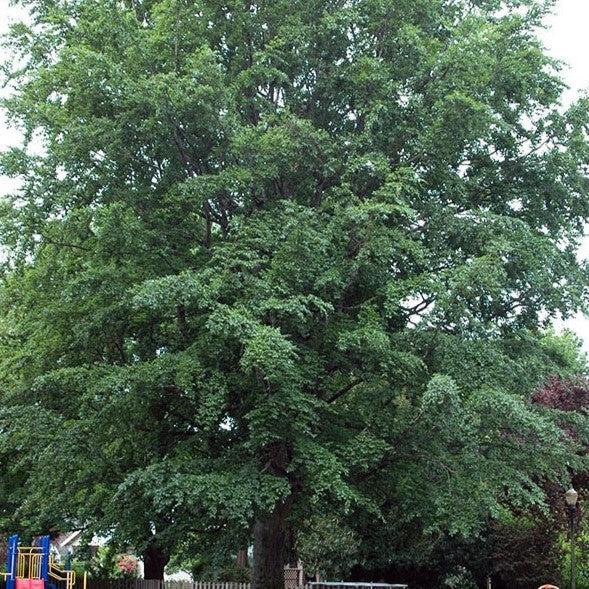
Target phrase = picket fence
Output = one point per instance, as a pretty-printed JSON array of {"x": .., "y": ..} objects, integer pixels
[
  {"x": 155, "y": 584},
  {"x": 290, "y": 583}
]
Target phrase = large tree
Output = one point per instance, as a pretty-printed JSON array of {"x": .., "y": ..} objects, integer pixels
[{"x": 249, "y": 236}]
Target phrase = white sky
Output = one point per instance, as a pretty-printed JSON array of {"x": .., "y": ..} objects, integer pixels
[{"x": 566, "y": 39}]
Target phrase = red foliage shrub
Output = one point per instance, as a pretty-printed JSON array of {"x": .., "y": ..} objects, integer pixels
[{"x": 564, "y": 394}]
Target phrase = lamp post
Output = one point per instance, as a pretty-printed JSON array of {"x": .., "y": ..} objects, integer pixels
[{"x": 571, "y": 497}]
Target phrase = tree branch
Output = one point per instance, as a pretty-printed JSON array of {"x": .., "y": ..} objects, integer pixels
[{"x": 344, "y": 390}]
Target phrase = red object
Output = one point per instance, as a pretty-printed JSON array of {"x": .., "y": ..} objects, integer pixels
[
  {"x": 566, "y": 395},
  {"x": 30, "y": 584}
]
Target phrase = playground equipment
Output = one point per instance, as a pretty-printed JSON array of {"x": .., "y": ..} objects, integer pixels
[{"x": 33, "y": 567}]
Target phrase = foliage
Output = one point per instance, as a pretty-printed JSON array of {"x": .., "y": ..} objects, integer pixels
[
  {"x": 564, "y": 395},
  {"x": 109, "y": 563},
  {"x": 327, "y": 547},
  {"x": 525, "y": 550},
  {"x": 127, "y": 566},
  {"x": 204, "y": 563},
  {"x": 235, "y": 574},
  {"x": 582, "y": 565},
  {"x": 568, "y": 398},
  {"x": 460, "y": 578},
  {"x": 285, "y": 260},
  {"x": 79, "y": 567}
]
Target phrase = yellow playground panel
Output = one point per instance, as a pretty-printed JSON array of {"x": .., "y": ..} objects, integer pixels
[{"x": 34, "y": 567}]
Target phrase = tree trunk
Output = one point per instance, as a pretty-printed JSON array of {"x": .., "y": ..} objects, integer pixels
[
  {"x": 291, "y": 557},
  {"x": 155, "y": 559},
  {"x": 269, "y": 548},
  {"x": 241, "y": 561}
]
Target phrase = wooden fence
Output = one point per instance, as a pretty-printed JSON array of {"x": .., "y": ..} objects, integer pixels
[
  {"x": 155, "y": 584},
  {"x": 293, "y": 579}
]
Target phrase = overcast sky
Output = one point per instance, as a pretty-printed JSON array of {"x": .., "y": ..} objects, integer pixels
[{"x": 566, "y": 38}]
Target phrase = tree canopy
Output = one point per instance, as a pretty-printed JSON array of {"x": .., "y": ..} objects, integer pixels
[{"x": 277, "y": 263}]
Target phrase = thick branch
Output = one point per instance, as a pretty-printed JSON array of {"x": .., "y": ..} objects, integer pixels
[{"x": 344, "y": 390}]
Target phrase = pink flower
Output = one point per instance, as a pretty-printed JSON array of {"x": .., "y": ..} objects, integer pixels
[{"x": 127, "y": 563}]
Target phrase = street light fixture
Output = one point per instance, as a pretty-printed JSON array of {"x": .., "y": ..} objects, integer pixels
[{"x": 571, "y": 497}]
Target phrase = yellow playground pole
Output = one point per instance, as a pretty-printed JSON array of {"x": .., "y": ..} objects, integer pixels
[{"x": 85, "y": 580}]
